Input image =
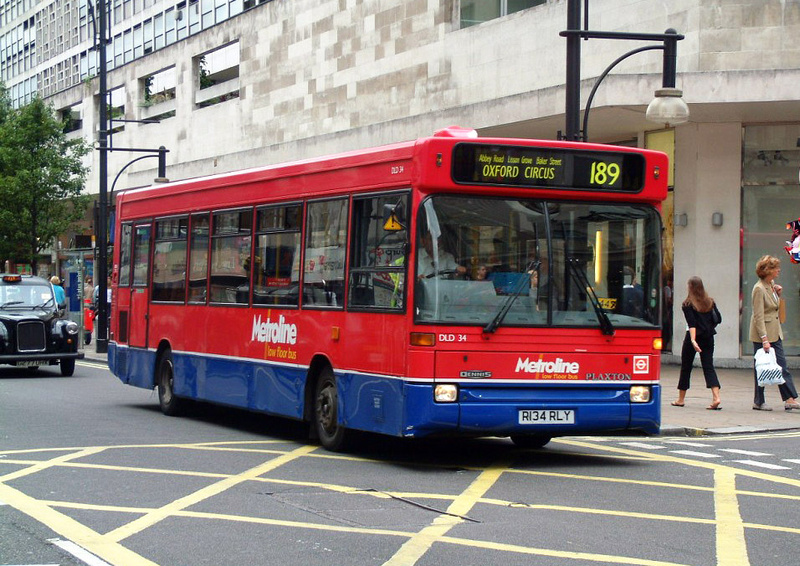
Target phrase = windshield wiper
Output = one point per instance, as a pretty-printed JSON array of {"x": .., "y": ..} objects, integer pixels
[
  {"x": 580, "y": 277},
  {"x": 44, "y": 304},
  {"x": 9, "y": 303},
  {"x": 506, "y": 306}
]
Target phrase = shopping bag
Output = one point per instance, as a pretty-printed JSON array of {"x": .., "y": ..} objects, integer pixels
[{"x": 768, "y": 372}]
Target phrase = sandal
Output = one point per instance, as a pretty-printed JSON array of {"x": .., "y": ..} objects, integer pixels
[
  {"x": 676, "y": 404},
  {"x": 715, "y": 406}
]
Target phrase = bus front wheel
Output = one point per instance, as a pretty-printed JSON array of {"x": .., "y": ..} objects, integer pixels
[
  {"x": 332, "y": 435},
  {"x": 165, "y": 380},
  {"x": 530, "y": 440}
]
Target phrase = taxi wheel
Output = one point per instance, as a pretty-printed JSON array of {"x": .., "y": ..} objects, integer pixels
[
  {"x": 530, "y": 440},
  {"x": 169, "y": 403},
  {"x": 331, "y": 434},
  {"x": 67, "y": 367}
]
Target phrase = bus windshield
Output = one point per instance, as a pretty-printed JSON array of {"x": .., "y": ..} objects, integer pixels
[{"x": 532, "y": 262}]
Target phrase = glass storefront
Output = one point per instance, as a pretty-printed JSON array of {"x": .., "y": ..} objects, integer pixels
[{"x": 770, "y": 199}]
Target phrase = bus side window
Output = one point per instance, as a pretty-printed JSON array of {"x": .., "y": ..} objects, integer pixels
[
  {"x": 276, "y": 275},
  {"x": 230, "y": 257},
  {"x": 377, "y": 258},
  {"x": 169, "y": 260},
  {"x": 326, "y": 242},
  {"x": 198, "y": 258}
]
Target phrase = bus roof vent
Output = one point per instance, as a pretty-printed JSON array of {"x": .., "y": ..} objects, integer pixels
[{"x": 456, "y": 132}]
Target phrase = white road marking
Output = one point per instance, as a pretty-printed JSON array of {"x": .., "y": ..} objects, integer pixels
[
  {"x": 644, "y": 445},
  {"x": 792, "y": 461},
  {"x": 78, "y": 552},
  {"x": 688, "y": 443},
  {"x": 762, "y": 465},
  {"x": 697, "y": 454},
  {"x": 744, "y": 452}
]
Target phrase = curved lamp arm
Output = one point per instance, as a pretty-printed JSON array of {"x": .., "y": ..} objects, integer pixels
[
  {"x": 111, "y": 193},
  {"x": 621, "y": 58}
]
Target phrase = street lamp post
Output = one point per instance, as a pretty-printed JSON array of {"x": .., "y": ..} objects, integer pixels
[
  {"x": 103, "y": 201},
  {"x": 101, "y": 343},
  {"x": 667, "y": 108}
]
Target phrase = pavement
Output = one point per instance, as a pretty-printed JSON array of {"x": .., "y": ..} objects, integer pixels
[{"x": 693, "y": 419}]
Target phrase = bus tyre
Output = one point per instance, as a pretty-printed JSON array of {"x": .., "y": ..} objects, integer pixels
[
  {"x": 170, "y": 404},
  {"x": 67, "y": 367},
  {"x": 530, "y": 440},
  {"x": 331, "y": 434}
]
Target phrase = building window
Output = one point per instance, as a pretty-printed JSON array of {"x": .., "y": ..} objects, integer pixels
[
  {"x": 474, "y": 12},
  {"x": 72, "y": 118},
  {"x": 116, "y": 109},
  {"x": 158, "y": 95},
  {"x": 217, "y": 75}
]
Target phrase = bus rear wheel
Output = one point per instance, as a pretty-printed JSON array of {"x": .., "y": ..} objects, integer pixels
[
  {"x": 165, "y": 380},
  {"x": 331, "y": 434},
  {"x": 530, "y": 440}
]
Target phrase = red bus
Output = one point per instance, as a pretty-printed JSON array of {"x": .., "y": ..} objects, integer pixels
[{"x": 452, "y": 285}]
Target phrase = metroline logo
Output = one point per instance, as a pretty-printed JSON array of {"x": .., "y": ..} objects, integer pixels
[
  {"x": 274, "y": 332},
  {"x": 540, "y": 366}
]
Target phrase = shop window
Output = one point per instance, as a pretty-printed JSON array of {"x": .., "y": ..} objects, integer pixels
[{"x": 770, "y": 199}]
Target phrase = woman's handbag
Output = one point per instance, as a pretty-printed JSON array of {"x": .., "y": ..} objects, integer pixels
[
  {"x": 782, "y": 311},
  {"x": 716, "y": 317},
  {"x": 768, "y": 372}
]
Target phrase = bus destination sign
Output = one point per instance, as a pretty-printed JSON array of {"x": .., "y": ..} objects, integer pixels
[{"x": 521, "y": 166}]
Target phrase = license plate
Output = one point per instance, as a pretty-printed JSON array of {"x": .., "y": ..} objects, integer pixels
[
  {"x": 547, "y": 416},
  {"x": 28, "y": 364}
]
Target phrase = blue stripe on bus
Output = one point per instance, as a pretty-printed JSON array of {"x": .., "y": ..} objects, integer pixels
[{"x": 393, "y": 406}]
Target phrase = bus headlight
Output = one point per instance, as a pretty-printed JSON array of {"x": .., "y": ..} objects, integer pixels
[
  {"x": 445, "y": 393},
  {"x": 640, "y": 394}
]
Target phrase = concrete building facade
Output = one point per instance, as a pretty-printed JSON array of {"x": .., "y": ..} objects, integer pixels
[{"x": 242, "y": 83}]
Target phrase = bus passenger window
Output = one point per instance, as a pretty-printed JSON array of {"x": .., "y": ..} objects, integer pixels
[
  {"x": 377, "y": 259},
  {"x": 125, "y": 256},
  {"x": 169, "y": 260},
  {"x": 276, "y": 275},
  {"x": 141, "y": 254},
  {"x": 326, "y": 241},
  {"x": 230, "y": 257},
  {"x": 198, "y": 259}
]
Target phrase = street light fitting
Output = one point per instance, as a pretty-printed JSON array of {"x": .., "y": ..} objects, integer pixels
[{"x": 668, "y": 107}]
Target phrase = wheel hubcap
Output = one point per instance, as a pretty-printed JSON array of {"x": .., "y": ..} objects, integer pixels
[{"x": 326, "y": 409}]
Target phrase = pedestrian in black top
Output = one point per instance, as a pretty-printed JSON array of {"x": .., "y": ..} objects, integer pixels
[{"x": 702, "y": 317}]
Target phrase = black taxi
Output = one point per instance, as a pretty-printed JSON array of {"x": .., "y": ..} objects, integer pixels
[{"x": 33, "y": 331}]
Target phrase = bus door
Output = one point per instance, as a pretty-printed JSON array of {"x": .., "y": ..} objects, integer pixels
[{"x": 139, "y": 291}]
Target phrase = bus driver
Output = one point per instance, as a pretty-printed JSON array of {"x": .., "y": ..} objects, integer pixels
[{"x": 436, "y": 262}]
